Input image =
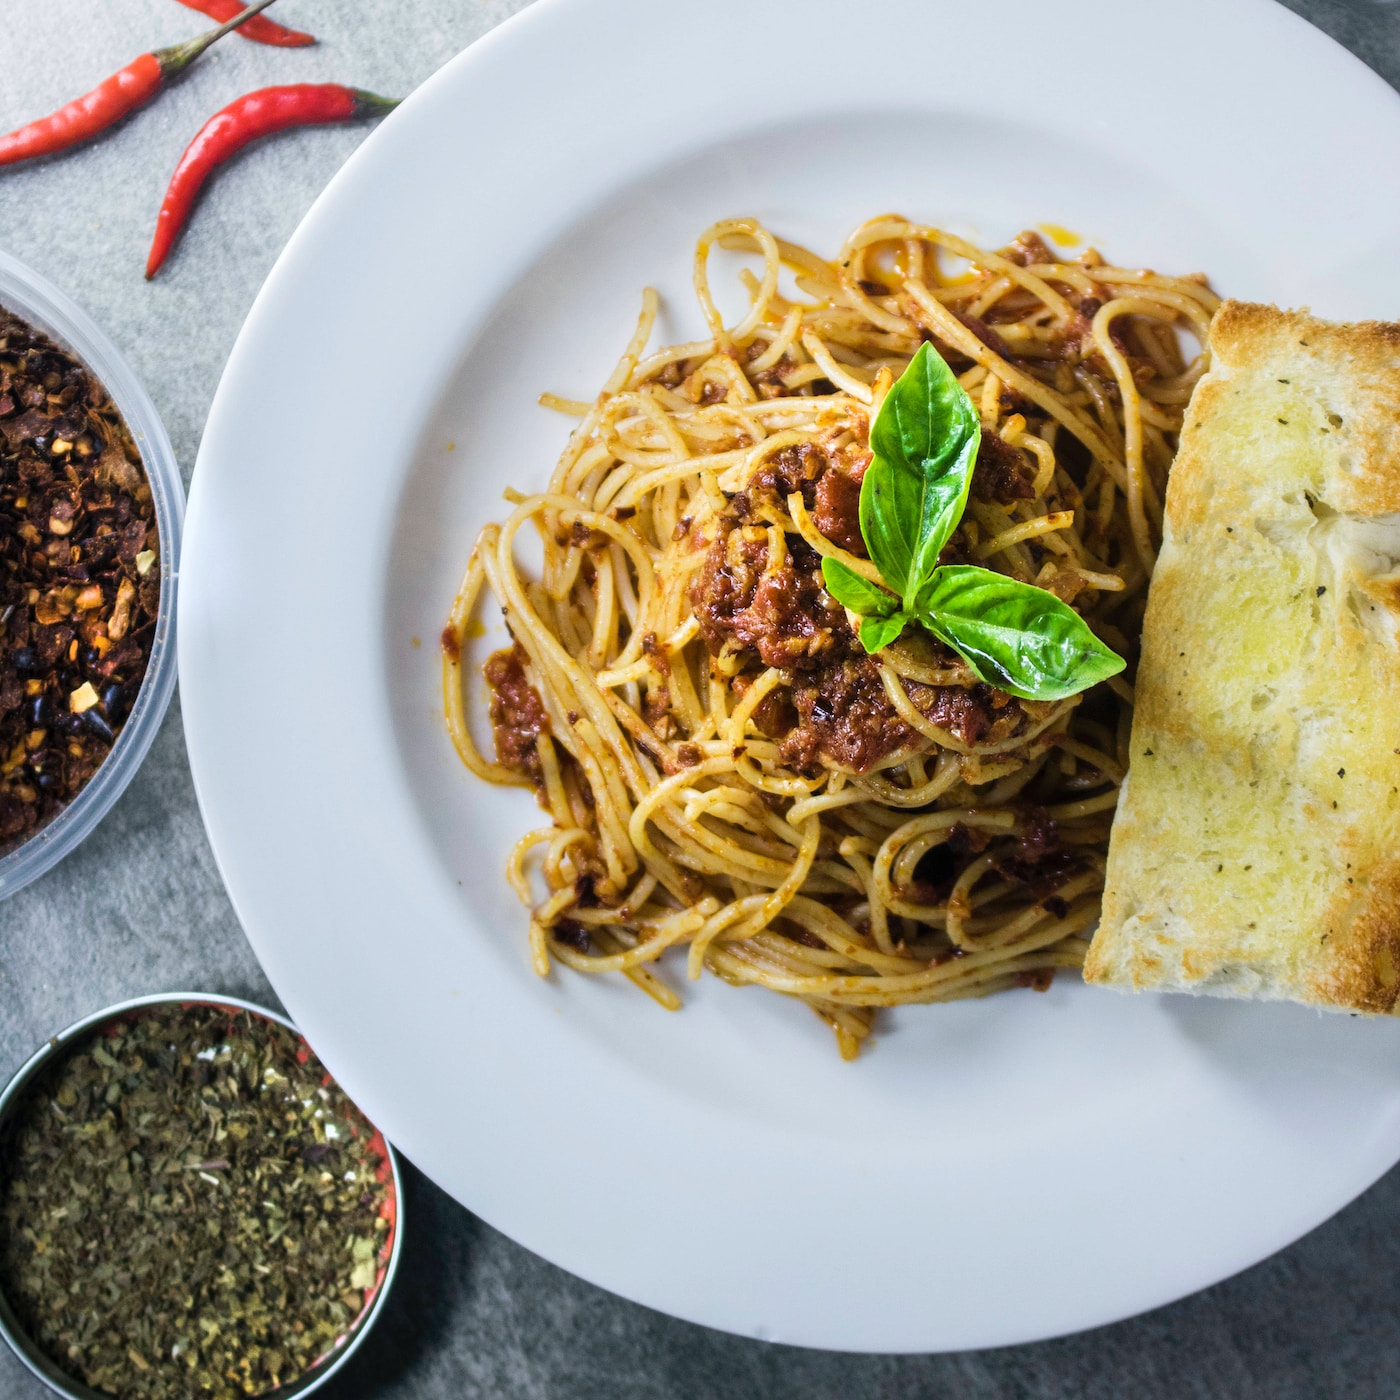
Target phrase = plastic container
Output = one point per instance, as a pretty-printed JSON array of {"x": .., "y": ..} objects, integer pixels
[
  {"x": 13, "y": 1093},
  {"x": 32, "y": 298}
]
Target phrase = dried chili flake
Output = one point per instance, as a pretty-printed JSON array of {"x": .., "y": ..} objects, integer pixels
[{"x": 79, "y": 577}]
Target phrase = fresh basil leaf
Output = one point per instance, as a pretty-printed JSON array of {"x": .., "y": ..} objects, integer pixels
[
  {"x": 1015, "y": 636},
  {"x": 924, "y": 440},
  {"x": 889, "y": 536},
  {"x": 876, "y": 633},
  {"x": 854, "y": 592}
]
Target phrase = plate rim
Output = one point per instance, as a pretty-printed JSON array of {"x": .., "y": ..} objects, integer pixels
[{"x": 202, "y": 764}]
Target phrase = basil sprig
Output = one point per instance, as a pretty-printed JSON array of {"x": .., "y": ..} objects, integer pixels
[{"x": 1013, "y": 635}]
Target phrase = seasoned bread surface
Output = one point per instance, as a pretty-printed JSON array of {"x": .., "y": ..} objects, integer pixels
[{"x": 1256, "y": 848}]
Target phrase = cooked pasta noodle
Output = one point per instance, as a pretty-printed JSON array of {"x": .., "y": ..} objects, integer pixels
[{"x": 726, "y": 773}]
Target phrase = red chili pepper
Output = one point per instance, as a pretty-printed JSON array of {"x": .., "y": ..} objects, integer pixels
[
  {"x": 226, "y": 133},
  {"x": 260, "y": 31},
  {"x": 89, "y": 116}
]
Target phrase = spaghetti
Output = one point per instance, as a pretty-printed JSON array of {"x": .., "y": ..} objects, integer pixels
[{"x": 725, "y": 769}]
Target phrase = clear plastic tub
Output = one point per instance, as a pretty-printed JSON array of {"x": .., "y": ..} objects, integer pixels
[{"x": 37, "y": 301}]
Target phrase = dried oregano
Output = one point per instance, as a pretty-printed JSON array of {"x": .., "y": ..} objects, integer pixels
[{"x": 188, "y": 1207}]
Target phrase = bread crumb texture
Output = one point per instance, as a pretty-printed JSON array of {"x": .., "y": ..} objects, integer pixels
[{"x": 1256, "y": 848}]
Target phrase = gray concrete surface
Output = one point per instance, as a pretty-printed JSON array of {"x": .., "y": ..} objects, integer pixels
[{"x": 140, "y": 907}]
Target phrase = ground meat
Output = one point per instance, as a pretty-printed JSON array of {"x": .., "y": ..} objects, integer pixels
[
  {"x": 1000, "y": 474},
  {"x": 969, "y": 712},
  {"x": 837, "y": 512},
  {"x": 724, "y": 590},
  {"x": 1039, "y": 860},
  {"x": 572, "y": 934},
  {"x": 1026, "y": 248},
  {"x": 1040, "y": 837},
  {"x": 517, "y": 713},
  {"x": 785, "y": 615},
  {"x": 845, "y": 717},
  {"x": 985, "y": 334},
  {"x": 769, "y": 382},
  {"x": 1076, "y": 337},
  {"x": 775, "y": 715},
  {"x": 794, "y": 468},
  {"x": 836, "y": 708},
  {"x": 939, "y": 867},
  {"x": 968, "y": 840},
  {"x": 656, "y": 710},
  {"x": 828, "y": 482}
]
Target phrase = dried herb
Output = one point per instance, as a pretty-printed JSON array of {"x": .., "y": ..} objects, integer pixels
[
  {"x": 79, "y": 577},
  {"x": 189, "y": 1207}
]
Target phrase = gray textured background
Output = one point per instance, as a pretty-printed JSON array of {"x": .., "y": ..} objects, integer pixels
[{"x": 140, "y": 906}]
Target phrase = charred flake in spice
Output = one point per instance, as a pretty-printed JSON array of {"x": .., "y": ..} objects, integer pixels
[
  {"x": 79, "y": 577},
  {"x": 189, "y": 1206}
]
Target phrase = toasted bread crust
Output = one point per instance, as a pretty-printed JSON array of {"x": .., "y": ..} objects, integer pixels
[{"x": 1256, "y": 849}]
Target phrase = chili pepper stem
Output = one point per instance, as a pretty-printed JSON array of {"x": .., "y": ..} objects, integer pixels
[
  {"x": 177, "y": 57},
  {"x": 259, "y": 30},
  {"x": 112, "y": 99},
  {"x": 370, "y": 104}
]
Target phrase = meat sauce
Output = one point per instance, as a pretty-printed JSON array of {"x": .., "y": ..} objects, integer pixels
[
  {"x": 517, "y": 714},
  {"x": 784, "y": 615},
  {"x": 1035, "y": 858},
  {"x": 835, "y": 709},
  {"x": 1000, "y": 474},
  {"x": 829, "y": 483}
]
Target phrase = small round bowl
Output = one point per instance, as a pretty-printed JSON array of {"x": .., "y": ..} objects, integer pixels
[
  {"x": 35, "y": 300},
  {"x": 64, "y": 1384}
]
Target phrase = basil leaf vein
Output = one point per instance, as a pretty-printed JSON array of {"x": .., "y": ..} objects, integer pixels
[{"x": 1020, "y": 638}]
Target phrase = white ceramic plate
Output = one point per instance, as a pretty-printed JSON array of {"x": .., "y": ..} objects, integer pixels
[{"x": 986, "y": 1173}]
